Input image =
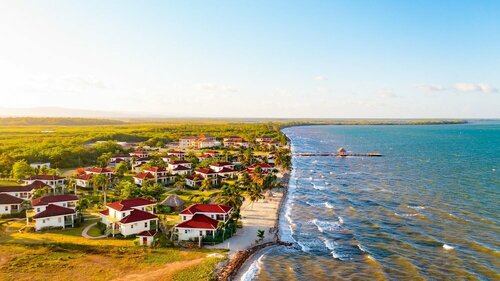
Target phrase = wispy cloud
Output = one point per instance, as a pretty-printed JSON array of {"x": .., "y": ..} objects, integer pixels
[
  {"x": 428, "y": 88},
  {"x": 387, "y": 94},
  {"x": 321, "y": 78},
  {"x": 213, "y": 87},
  {"x": 472, "y": 87}
]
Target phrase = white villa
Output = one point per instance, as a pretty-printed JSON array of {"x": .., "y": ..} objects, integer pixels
[
  {"x": 266, "y": 168},
  {"x": 130, "y": 217},
  {"x": 201, "y": 220},
  {"x": 52, "y": 181},
  {"x": 24, "y": 192},
  {"x": 180, "y": 167},
  {"x": 10, "y": 204},
  {"x": 99, "y": 171},
  {"x": 139, "y": 153},
  {"x": 84, "y": 180},
  {"x": 54, "y": 211},
  {"x": 235, "y": 141}
]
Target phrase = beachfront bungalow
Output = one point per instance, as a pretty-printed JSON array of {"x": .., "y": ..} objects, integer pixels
[
  {"x": 195, "y": 180},
  {"x": 54, "y": 216},
  {"x": 130, "y": 217},
  {"x": 224, "y": 169},
  {"x": 52, "y": 181},
  {"x": 266, "y": 168},
  {"x": 201, "y": 220},
  {"x": 10, "y": 204}
]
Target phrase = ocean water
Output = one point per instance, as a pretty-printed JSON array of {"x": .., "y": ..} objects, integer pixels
[{"x": 429, "y": 209}]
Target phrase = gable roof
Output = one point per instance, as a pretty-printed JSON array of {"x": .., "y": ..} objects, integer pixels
[
  {"x": 128, "y": 204},
  {"x": 222, "y": 164},
  {"x": 226, "y": 170},
  {"x": 155, "y": 169},
  {"x": 206, "y": 208},
  {"x": 9, "y": 199},
  {"x": 85, "y": 177},
  {"x": 99, "y": 170},
  {"x": 54, "y": 210},
  {"x": 37, "y": 185},
  {"x": 137, "y": 215},
  {"x": 20, "y": 188},
  {"x": 44, "y": 177},
  {"x": 46, "y": 200},
  {"x": 199, "y": 221},
  {"x": 144, "y": 175},
  {"x": 206, "y": 171},
  {"x": 181, "y": 168},
  {"x": 148, "y": 233},
  {"x": 176, "y": 162}
]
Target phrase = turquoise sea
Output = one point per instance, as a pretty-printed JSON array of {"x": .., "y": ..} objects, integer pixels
[{"x": 429, "y": 209}]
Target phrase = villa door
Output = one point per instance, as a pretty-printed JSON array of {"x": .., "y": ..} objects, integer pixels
[{"x": 144, "y": 241}]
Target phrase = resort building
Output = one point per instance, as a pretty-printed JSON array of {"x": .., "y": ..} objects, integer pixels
[
  {"x": 177, "y": 153},
  {"x": 195, "y": 180},
  {"x": 67, "y": 201},
  {"x": 224, "y": 169},
  {"x": 52, "y": 181},
  {"x": 266, "y": 168},
  {"x": 54, "y": 216},
  {"x": 201, "y": 220},
  {"x": 99, "y": 171},
  {"x": 84, "y": 180},
  {"x": 24, "y": 192},
  {"x": 139, "y": 154},
  {"x": 264, "y": 139},
  {"x": 130, "y": 217},
  {"x": 180, "y": 167},
  {"x": 146, "y": 237},
  {"x": 154, "y": 174},
  {"x": 236, "y": 142},
  {"x": 199, "y": 142},
  {"x": 10, "y": 204}
]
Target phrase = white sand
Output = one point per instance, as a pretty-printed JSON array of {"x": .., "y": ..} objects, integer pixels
[{"x": 259, "y": 215}]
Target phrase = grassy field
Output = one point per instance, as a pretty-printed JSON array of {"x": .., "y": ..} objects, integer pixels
[
  {"x": 8, "y": 183},
  {"x": 64, "y": 255}
]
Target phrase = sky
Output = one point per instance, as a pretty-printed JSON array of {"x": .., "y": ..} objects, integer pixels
[{"x": 329, "y": 59}]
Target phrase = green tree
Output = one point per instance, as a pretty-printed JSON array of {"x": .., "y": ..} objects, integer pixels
[
  {"x": 101, "y": 181},
  {"x": 127, "y": 189},
  {"x": 21, "y": 169},
  {"x": 120, "y": 169},
  {"x": 103, "y": 160},
  {"x": 255, "y": 192},
  {"x": 40, "y": 192},
  {"x": 206, "y": 184}
]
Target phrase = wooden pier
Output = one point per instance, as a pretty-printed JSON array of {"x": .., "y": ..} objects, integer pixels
[{"x": 369, "y": 154}]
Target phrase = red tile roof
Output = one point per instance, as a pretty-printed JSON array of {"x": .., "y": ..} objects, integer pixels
[
  {"x": 21, "y": 188},
  {"x": 46, "y": 200},
  {"x": 85, "y": 177},
  {"x": 144, "y": 176},
  {"x": 54, "y": 210},
  {"x": 156, "y": 169},
  {"x": 148, "y": 233},
  {"x": 176, "y": 162},
  {"x": 199, "y": 221},
  {"x": 99, "y": 170},
  {"x": 44, "y": 177},
  {"x": 138, "y": 215},
  {"x": 262, "y": 165},
  {"x": 206, "y": 208},
  {"x": 36, "y": 185},
  {"x": 226, "y": 170},
  {"x": 205, "y": 171},
  {"x": 196, "y": 177},
  {"x": 9, "y": 199},
  {"x": 105, "y": 212},
  {"x": 128, "y": 204},
  {"x": 222, "y": 164},
  {"x": 180, "y": 168}
]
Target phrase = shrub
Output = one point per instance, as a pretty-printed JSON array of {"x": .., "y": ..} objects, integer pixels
[
  {"x": 29, "y": 229},
  {"x": 102, "y": 227}
]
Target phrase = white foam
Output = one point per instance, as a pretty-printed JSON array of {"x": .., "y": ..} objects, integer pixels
[
  {"x": 253, "y": 270},
  {"x": 303, "y": 247},
  {"x": 447, "y": 247},
  {"x": 362, "y": 248},
  {"x": 341, "y": 221},
  {"x": 326, "y": 226},
  {"x": 329, "y": 205}
]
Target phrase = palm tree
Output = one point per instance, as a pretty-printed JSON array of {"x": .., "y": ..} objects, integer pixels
[
  {"x": 255, "y": 193},
  {"x": 222, "y": 225},
  {"x": 72, "y": 184},
  {"x": 257, "y": 176},
  {"x": 101, "y": 181},
  {"x": 206, "y": 184},
  {"x": 244, "y": 181}
]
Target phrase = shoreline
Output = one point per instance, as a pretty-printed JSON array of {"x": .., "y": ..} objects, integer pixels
[{"x": 241, "y": 258}]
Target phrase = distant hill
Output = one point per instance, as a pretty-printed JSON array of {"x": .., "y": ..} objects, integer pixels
[{"x": 56, "y": 121}]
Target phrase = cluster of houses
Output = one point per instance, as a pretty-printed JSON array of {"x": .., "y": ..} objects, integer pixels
[{"x": 137, "y": 216}]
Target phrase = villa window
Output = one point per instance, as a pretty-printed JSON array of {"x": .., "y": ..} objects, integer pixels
[
  {"x": 131, "y": 226},
  {"x": 201, "y": 232},
  {"x": 145, "y": 224},
  {"x": 38, "y": 210},
  {"x": 6, "y": 208},
  {"x": 185, "y": 231}
]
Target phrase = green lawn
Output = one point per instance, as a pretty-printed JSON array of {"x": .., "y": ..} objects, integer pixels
[{"x": 94, "y": 231}]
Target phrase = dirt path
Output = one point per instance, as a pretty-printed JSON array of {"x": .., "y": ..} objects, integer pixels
[
  {"x": 164, "y": 273},
  {"x": 86, "y": 230}
]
